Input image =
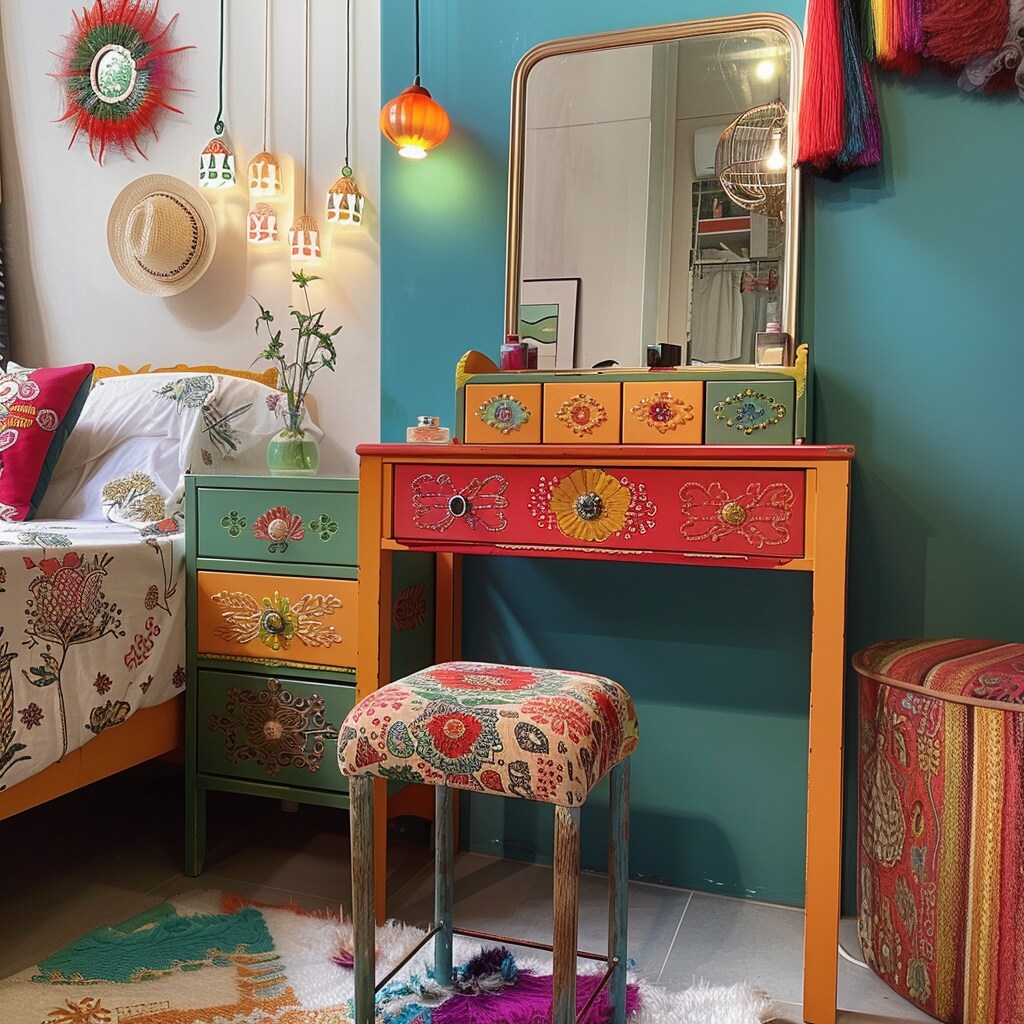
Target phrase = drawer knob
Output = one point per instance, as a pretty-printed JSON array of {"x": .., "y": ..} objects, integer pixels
[
  {"x": 589, "y": 506},
  {"x": 459, "y": 506},
  {"x": 733, "y": 513},
  {"x": 273, "y": 622}
]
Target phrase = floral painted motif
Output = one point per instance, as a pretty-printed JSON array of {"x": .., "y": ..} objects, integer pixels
[
  {"x": 590, "y": 505},
  {"x": 410, "y": 609},
  {"x": 134, "y": 498},
  {"x": 276, "y": 621},
  {"x": 640, "y": 517},
  {"x": 582, "y": 414},
  {"x": 188, "y": 392},
  {"x": 82, "y": 1011},
  {"x": 760, "y": 514},
  {"x": 541, "y": 734},
  {"x": 234, "y": 522},
  {"x": 662, "y": 411},
  {"x": 504, "y": 413},
  {"x": 749, "y": 410},
  {"x": 437, "y": 503},
  {"x": 279, "y": 525},
  {"x": 323, "y": 526}
]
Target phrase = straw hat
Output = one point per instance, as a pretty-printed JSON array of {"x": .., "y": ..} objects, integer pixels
[{"x": 161, "y": 234}]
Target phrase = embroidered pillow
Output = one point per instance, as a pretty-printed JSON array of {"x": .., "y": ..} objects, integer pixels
[{"x": 38, "y": 409}]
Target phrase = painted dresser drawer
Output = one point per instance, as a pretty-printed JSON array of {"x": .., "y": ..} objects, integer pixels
[
  {"x": 751, "y": 412},
  {"x": 719, "y": 511},
  {"x": 582, "y": 413},
  {"x": 503, "y": 413},
  {"x": 283, "y": 731},
  {"x": 277, "y": 620},
  {"x": 663, "y": 412},
  {"x": 292, "y": 526}
]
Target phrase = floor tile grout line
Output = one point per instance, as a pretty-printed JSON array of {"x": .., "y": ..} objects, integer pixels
[{"x": 675, "y": 935}]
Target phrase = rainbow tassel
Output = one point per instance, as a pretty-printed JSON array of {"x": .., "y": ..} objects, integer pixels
[
  {"x": 957, "y": 31},
  {"x": 822, "y": 100}
]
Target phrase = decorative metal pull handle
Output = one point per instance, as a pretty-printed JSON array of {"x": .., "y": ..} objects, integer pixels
[
  {"x": 273, "y": 622},
  {"x": 459, "y": 506},
  {"x": 733, "y": 514}
]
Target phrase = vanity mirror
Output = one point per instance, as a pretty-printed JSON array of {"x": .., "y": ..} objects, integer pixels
[{"x": 612, "y": 182}]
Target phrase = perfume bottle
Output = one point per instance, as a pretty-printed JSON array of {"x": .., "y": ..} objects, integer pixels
[{"x": 428, "y": 430}]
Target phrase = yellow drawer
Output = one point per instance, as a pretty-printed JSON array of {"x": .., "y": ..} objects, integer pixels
[
  {"x": 662, "y": 411},
  {"x": 277, "y": 620},
  {"x": 582, "y": 413},
  {"x": 503, "y": 413}
]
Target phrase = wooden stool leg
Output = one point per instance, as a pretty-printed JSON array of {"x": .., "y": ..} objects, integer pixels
[
  {"x": 618, "y": 885},
  {"x": 566, "y": 906},
  {"x": 360, "y": 800},
  {"x": 444, "y": 881}
]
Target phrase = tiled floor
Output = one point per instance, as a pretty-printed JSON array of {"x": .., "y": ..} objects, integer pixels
[{"x": 114, "y": 849}]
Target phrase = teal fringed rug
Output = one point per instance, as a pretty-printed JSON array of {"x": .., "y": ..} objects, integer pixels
[{"x": 211, "y": 958}]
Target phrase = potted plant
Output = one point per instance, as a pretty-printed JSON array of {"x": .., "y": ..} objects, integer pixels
[{"x": 292, "y": 451}]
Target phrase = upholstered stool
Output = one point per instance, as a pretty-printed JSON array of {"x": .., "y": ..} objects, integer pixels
[
  {"x": 531, "y": 733},
  {"x": 941, "y": 831}
]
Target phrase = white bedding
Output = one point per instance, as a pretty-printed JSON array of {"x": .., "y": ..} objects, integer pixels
[{"x": 92, "y": 622}]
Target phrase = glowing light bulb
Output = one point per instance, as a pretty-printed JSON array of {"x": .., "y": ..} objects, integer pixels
[
  {"x": 765, "y": 70},
  {"x": 775, "y": 161}
]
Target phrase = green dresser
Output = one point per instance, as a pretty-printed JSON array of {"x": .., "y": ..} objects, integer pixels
[{"x": 272, "y": 614}]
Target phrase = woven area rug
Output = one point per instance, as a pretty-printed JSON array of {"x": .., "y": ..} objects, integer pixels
[{"x": 211, "y": 958}]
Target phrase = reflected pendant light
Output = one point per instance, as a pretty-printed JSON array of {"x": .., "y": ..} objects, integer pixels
[
  {"x": 344, "y": 200},
  {"x": 304, "y": 235},
  {"x": 217, "y": 162},
  {"x": 413, "y": 120},
  {"x": 264, "y": 168}
]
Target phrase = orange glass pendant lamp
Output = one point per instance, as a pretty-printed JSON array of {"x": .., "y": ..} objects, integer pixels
[{"x": 414, "y": 121}]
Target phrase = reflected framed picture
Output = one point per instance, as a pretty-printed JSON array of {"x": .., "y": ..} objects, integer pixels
[{"x": 547, "y": 319}]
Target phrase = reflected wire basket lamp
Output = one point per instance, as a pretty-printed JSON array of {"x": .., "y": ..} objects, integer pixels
[
  {"x": 304, "y": 234},
  {"x": 264, "y": 168},
  {"x": 750, "y": 161},
  {"x": 413, "y": 120},
  {"x": 217, "y": 162},
  {"x": 344, "y": 200}
]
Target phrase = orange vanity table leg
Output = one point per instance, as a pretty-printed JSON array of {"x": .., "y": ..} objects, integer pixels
[{"x": 825, "y": 757}]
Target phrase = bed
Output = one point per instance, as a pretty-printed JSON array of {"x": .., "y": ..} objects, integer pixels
[{"x": 92, "y": 623}]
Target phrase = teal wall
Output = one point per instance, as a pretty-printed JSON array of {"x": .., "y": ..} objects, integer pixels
[{"x": 912, "y": 300}]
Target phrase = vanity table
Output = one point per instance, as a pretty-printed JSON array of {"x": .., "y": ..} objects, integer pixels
[{"x": 767, "y": 507}]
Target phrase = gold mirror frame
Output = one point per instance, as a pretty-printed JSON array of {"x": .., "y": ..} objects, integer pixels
[{"x": 633, "y": 37}]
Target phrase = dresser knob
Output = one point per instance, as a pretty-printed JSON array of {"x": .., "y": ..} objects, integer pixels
[
  {"x": 273, "y": 622},
  {"x": 733, "y": 513},
  {"x": 459, "y": 506}
]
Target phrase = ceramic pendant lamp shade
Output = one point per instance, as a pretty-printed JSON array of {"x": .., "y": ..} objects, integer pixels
[
  {"x": 217, "y": 162},
  {"x": 344, "y": 200},
  {"x": 304, "y": 238},
  {"x": 414, "y": 121},
  {"x": 262, "y": 224},
  {"x": 264, "y": 175}
]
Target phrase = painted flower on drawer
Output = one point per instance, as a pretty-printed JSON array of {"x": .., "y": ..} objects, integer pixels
[
  {"x": 276, "y": 621},
  {"x": 760, "y": 514},
  {"x": 582, "y": 414},
  {"x": 662, "y": 411},
  {"x": 278, "y": 525},
  {"x": 589, "y": 504},
  {"x": 437, "y": 502}
]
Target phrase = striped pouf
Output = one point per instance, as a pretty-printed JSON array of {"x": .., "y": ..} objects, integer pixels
[{"x": 940, "y": 850}]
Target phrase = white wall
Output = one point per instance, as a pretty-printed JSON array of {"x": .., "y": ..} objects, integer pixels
[{"x": 68, "y": 303}]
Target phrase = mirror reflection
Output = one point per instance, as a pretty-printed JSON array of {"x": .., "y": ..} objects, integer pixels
[{"x": 618, "y": 191}]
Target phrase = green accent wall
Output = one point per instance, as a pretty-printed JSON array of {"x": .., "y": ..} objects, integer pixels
[{"x": 911, "y": 301}]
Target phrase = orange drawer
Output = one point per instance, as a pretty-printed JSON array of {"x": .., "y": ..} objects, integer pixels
[
  {"x": 704, "y": 511},
  {"x": 582, "y": 414},
  {"x": 503, "y": 413},
  {"x": 279, "y": 620},
  {"x": 663, "y": 412}
]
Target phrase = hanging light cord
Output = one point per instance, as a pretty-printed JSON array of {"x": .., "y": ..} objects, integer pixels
[
  {"x": 348, "y": 79},
  {"x": 416, "y": 81},
  {"x": 218, "y": 125},
  {"x": 266, "y": 69},
  {"x": 305, "y": 111}
]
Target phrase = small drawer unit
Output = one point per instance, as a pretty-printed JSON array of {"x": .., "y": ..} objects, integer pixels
[
  {"x": 272, "y": 622},
  {"x": 582, "y": 414},
  {"x": 663, "y": 412},
  {"x": 506, "y": 413},
  {"x": 750, "y": 412}
]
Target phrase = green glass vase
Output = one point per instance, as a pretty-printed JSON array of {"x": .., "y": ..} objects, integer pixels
[{"x": 292, "y": 451}]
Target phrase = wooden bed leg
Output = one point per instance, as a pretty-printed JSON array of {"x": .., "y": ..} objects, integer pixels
[{"x": 195, "y": 829}]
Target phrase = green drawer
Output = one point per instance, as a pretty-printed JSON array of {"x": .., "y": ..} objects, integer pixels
[
  {"x": 750, "y": 412},
  {"x": 302, "y": 527},
  {"x": 275, "y": 730}
]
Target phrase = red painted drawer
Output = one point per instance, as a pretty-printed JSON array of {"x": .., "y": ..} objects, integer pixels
[{"x": 725, "y": 511}]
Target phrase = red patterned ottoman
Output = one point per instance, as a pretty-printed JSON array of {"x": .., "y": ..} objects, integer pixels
[{"x": 940, "y": 851}]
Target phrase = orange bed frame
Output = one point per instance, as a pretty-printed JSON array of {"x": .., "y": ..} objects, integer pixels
[{"x": 150, "y": 732}]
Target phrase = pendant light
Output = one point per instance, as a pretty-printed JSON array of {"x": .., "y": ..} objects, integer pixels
[
  {"x": 217, "y": 162},
  {"x": 264, "y": 167},
  {"x": 304, "y": 235},
  {"x": 413, "y": 120},
  {"x": 344, "y": 200}
]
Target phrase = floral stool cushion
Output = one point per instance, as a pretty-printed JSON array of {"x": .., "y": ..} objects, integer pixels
[
  {"x": 535, "y": 733},
  {"x": 941, "y": 824}
]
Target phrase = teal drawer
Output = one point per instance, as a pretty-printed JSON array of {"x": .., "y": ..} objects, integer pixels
[
  {"x": 750, "y": 412},
  {"x": 271, "y": 729},
  {"x": 302, "y": 527}
]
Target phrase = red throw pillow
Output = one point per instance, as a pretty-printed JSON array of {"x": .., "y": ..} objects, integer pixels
[{"x": 38, "y": 408}]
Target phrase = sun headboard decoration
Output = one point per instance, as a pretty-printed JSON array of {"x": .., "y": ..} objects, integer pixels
[
  {"x": 116, "y": 69},
  {"x": 268, "y": 377}
]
